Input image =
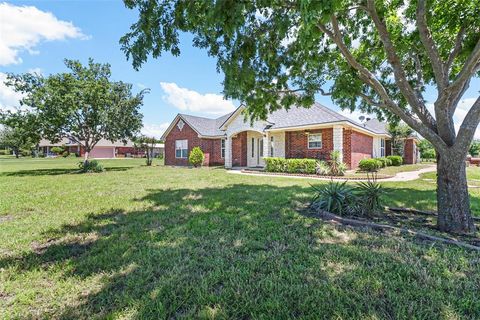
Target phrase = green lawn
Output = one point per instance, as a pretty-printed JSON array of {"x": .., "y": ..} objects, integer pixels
[{"x": 157, "y": 242}]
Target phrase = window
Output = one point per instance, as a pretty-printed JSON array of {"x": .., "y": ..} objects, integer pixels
[
  {"x": 181, "y": 149},
  {"x": 253, "y": 147},
  {"x": 271, "y": 146},
  {"x": 315, "y": 141},
  {"x": 222, "y": 150},
  {"x": 261, "y": 147},
  {"x": 382, "y": 147}
]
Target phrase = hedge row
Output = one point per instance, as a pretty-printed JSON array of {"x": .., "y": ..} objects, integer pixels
[
  {"x": 373, "y": 164},
  {"x": 290, "y": 165}
]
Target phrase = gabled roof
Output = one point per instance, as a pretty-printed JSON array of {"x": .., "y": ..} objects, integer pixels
[
  {"x": 299, "y": 116},
  {"x": 294, "y": 117},
  {"x": 205, "y": 127}
]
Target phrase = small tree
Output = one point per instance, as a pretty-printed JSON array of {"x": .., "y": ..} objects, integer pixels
[
  {"x": 399, "y": 132},
  {"x": 474, "y": 148},
  {"x": 196, "y": 157},
  {"x": 21, "y": 131},
  {"x": 83, "y": 105},
  {"x": 146, "y": 144}
]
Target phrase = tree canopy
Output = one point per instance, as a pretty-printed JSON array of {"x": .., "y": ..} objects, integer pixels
[
  {"x": 21, "y": 130},
  {"x": 83, "y": 104},
  {"x": 375, "y": 56}
]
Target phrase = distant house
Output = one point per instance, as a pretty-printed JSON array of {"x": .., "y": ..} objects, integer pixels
[
  {"x": 297, "y": 133},
  {"x": 103, "y": 149}
]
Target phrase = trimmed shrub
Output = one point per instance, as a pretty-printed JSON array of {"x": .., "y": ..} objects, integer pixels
[
  {"x": 90, "y": 166},
  {"x": 369, "y": 165},
  {"x": 57, "y": 150},
  {"x": 384, "y": 162},
  {"x": 428, "y": 154},
  {"x": 25, "y": 152},
  {"x": 273, "y": 164},
  {"x": 196, "y": 157},
  {"x": 65, "y": 154},
  {"x": 396, "y": 160},
  {"x": 4, "y": 152}
]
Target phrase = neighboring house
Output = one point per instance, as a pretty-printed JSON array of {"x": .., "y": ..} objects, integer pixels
[
  {"x": 297, "y": 133},
  {"x": 103, "y": 149}
]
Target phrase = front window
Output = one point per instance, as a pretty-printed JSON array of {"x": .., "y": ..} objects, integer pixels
[
  {"x": 315, "y": 141},
  {"x": 382, "y": 147},
  {"x": 271, "y": 146},
  {"x": 261, "y": 147},
  {"x": 181, "y": 149},
  {"x": 222, "y": 152}
]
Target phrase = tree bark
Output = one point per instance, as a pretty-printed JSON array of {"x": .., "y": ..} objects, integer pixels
[
  {"x": 85, "y": 157},
  {"x": 452, "y": 195}
]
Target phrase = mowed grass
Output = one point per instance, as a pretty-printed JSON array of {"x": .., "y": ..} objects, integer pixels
[{"x": 157, "y": 242}]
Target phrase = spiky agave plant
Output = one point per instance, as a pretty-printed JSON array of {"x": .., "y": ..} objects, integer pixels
[
  {"x": 334, "y": 197},
  {"x": 370, "y": 192}
]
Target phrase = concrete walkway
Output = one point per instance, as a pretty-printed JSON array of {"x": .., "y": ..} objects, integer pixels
[{"x": 399, "y": 177}]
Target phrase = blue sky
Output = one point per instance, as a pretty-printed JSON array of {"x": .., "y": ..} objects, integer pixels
[{"x": 38, "y": 35}]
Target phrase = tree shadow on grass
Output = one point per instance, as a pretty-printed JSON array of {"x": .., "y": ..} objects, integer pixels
[
  {"x": 239, "y": 252},
  {"x": 53, "y": 172}
]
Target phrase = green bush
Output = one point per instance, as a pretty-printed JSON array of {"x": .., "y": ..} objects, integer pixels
[
  {"x": 4, "y": 152},
  {"x": 396, "y": 160},
  {"x": 384, "y": 162},
  {"x": 91, "y": 166},
  {"x": 57, "y": 150},
  {"x": 25, "y": 152},
  {"x": 72, "y": 155},
  {"x": 428, "y": 154},
  {"x": 65, "y": 154},
  {"x": 369, "y": 165},
  {"x": 273, "y": 164},
  {"x": 196, "y": 157}
]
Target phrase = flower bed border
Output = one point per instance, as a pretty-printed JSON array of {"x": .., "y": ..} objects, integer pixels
[{"x": 314, "y": 176}]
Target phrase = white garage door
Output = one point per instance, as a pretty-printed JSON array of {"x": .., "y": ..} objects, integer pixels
[{"x": 102, "y": 152}]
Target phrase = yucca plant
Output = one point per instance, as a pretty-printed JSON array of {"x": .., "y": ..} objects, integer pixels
[
  {"x": 337, "y": 167},
  {"x": 333, "y": 197},
  {"x": 370, "y": 192}
]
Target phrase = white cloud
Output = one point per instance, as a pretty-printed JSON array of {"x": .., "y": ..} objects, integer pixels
[
  {"x": 189, "y": 100},
  {"x": 22, "y": 28},
  {"x": 155, "y": 130},
  {"x": 9, "y": 99}
]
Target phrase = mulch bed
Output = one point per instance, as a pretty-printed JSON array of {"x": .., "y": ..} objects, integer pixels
[
  {"x": 419, "y": 224},
  {"x": 314, "y": 176}
]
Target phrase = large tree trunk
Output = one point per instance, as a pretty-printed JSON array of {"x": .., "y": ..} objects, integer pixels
[
  {"x": 85, "y": 157},
  {"x": 452, "y": 195}
]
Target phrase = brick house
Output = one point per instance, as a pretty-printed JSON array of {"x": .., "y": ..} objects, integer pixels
[
  {"x": 233, "y": 141},
  {"x": 103, "y": 149}
]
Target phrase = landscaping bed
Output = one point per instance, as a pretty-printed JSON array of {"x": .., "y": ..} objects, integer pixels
[{"x": 355, "y": 176}]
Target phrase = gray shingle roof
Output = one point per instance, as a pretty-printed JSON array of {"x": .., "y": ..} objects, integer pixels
[
  {"x": 206, "y": 126},
  {"x": 294, "y": 117},
  {"x": 376, "y": 126},
  {"x": 299, "y": 116}
]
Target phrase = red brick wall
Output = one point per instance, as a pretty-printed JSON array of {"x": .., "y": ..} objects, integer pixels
[
  {"x": 239, "y": 150},
  {"x": 296, "y": 144},
  {"x": 409, "y": 153},
  {"x": 362, "y": 147},
  {"x": 210, "y": 147}
]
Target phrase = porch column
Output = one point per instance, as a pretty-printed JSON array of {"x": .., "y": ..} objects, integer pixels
[
  {"x": 228, "y": 152},
  {"x": 266, "y": 145},
  {"x": 338, "y": 140}
]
